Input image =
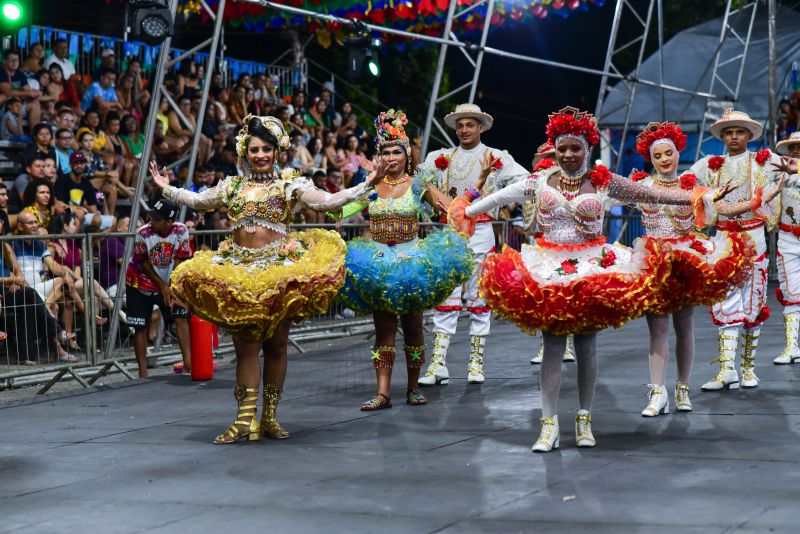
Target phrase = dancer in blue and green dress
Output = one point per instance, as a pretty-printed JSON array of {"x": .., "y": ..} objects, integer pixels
[{"x": 394, "y": 274}]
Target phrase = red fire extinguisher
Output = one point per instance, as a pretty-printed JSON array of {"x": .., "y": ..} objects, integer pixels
[{"x": 202, "y": 351}]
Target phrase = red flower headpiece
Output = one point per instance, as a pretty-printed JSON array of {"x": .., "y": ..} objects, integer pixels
[
  {"x": 571, "y": 121},
  {"x": 543, "y": 164},
  {"x": 659, "y": 130}
]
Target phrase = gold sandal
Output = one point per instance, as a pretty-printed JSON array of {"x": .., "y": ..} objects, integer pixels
[
  {"x": 247, "y": 400},
  {"x": 269, "y": 424}
]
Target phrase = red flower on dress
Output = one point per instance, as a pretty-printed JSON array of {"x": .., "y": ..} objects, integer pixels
[
  {"x": 698, "y": 246},
  {"x": 497, "y": 165},
  {"x": 442, "y": 162},
  {"x": 568, "y": 266},
  {"x": 608, "y": 259},
  {"x": 600, "y": 177},
  {"x": 543, "y": 164},
  {"x": 688, "y": 181},
  {"x": 715, "y": 163},
  {"x": 762, "y": 156},
  {"x": 639, "y": 175}
]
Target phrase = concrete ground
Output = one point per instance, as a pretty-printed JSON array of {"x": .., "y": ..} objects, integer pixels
[{"x": 137, "y": 456}]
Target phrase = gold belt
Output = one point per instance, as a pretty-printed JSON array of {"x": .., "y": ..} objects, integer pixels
[{"x": 393, "y": 229}]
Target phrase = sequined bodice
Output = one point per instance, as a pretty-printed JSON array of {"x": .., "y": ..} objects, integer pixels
[
  {"x": 258, "y": 203},
  {"x": 662, "y": 220},
  {"x": 570, "y": 221},
  {"x": 394, "y": 220},
  {"x": 405, "y": 206}
]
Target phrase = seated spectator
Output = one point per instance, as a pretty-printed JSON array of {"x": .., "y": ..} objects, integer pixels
[
  {"x": 126, "y": 95},
  {"x": 311, "y": 216},
  {"x": 213, "y": 129},
  {"x": 11, "y": 129},
  {"x": 132, "y": 137},
  {"x": 59, "y": 57},
  {"x": 188, "y": 82},
  {"x": 224, "y": 163},
  {"x": 158, "y": 247},
  {"x": 115, "y": 144},
  {"x": 353, "y": 173},
  {"x": 35, "y": 60},
  {"x": 34, "y": 258},
  {"x": 299, "y": 102},
  {"x": 335, "y": 181},
  {"x": 108, "y": 62},
  {"x": 91, "y": 121},
  {"x": 317, "y": 118},
  {"x": 185, "y": 130},
  {"x": 41, "y": 147},
  {"x": 39, "y": 201},
  {"x": 267, "y": 91},
  {"x": 251, "y": 103},
  {"x": 77, "y": 191},
  {"x": 333, "y": 154},
  {"x": 47, "y": 101},
  {"x": 165, "y": 143},
  {"x": 237, "y": 105},
  {"x": 5, "y": 222},
  {"x": 65, "y": 142},
  {"x": 13, "y": 83},
  {"x": 301, "y": 159},
  {"x": 102, "y": 178},
  {"x": 26, "y": 317},
  {"x": 317, "y": 153},
  {"x": 203, "y": 178},
  {"x": 285, "y": 117},
  {"x": 101, "y": 94},
  {"x": 140, "y": 92},
  {"x": 50, "y": 171},
  {"x": 33, "y": 170},
  {"x": 65, "y": 118},
  {"x": 299, "y": 124}
]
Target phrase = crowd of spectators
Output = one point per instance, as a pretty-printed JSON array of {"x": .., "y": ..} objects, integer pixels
[{"x": 83, "y": 136}]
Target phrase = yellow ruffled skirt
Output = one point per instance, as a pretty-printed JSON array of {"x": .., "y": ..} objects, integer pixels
[{"x": 251, "y": 292}]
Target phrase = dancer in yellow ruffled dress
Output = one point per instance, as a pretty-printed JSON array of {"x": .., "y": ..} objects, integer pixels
[{"x": 263, "y": 278}]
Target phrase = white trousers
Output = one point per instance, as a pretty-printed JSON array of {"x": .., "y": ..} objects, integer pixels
[{"x": 788, "y": 260}]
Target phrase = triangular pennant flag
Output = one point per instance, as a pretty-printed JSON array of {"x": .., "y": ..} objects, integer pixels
[
  {"x": 74, "y": 50},
  {"x": 88, "y": 43},
  {"x": 22, "y": 38},
  {"x": 35, "y": 35}
]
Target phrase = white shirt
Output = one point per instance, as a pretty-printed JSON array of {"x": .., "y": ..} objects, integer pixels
[{"x": 67, "y": 67}]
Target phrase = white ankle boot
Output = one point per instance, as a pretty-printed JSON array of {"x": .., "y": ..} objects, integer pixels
[
  {"x": 437, "y": 372},
  {"x": 537, "y": 360},
  {"x": 477, "y": 345},
  {"x": 749, "y": 346},
  {"x": 726, "y": 377},
  {"x": 583, "y": 429},
  {"x": 791, "y": 353},
  {"x": 548, "y": 437},
  {"x": 682, "y": 402},
  {"x": 569, "y": 351},
  {"x": 658, "y": 401}
]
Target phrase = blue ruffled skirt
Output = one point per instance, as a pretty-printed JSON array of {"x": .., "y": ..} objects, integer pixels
[{"x": 405, "y": 278}]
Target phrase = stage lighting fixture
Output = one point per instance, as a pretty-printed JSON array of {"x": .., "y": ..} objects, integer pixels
[
  {"x": 373, "y": 67},
  {"x": 151, "y": 21},
  {"x": 362, "y": 64},
  {"x": 14, "y": 14}
]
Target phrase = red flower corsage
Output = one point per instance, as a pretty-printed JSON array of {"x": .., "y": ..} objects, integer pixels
[
  {"x": 600, "y": 177},
  {"x": 715, "y": 163},
  {"x": 543, "y": 164},
  {"x": 698, "y": 246},
  {"x": 442, "y": 162},
  {"x": 568, "y": 267},
  {"x": 639, "y": 175},
  {"x": 762, "y": 156},
  {"x": 497, "y": 165},
  {"x": 608, "y": 258},
  {"x": 688, "y": 181}
]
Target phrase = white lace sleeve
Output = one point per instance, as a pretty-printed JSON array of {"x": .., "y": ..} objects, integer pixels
[
  {"x": 320, "y": 200},
  {"x": 633, "y": 192},
  {"x": 210, "y": 199},
  {"x": 512, "y": 194}
]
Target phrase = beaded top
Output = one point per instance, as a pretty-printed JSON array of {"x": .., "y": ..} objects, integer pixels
[{"x": 665, "y": 221}]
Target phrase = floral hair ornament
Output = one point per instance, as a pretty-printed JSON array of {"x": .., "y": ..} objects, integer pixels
[
  {"x": 390, "y": 129},
  {"x": 572, "y": 122},
  {"x": 656, "y": 133},
  {"x": 273, "y": 126}
]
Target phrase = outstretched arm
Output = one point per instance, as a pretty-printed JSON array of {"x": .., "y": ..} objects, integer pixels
[
  {"x": 512, "y": 194},
  {"x": 210, "y": 199},
  {"x": 633, "y": 192}
]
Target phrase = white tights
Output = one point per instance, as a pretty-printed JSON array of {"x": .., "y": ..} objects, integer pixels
[
  {"x": 659, "y": 348},
  {"x": 550, "y": 372}
]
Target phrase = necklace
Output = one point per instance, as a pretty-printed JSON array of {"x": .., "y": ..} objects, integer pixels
[
  {"x": 395, "y": 182},
  {"x": 666, "y": 181},
  {"x": 569, "y": 186},
  {"x": 265, "y": 176}
]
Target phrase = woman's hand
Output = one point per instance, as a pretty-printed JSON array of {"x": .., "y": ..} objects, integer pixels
[
  {"x": 787, "y": 165},
  {"x": 379, "y": 165},
  {"x": 487, "y": 166},
  {"x": 161, "y": 179},
  {"x": 365, "y": 164}
]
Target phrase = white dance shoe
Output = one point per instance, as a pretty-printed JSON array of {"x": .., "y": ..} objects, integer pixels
[
  {"x": 726, "y": 377},
  {"x": 657, "y": 401},
  {"x": 682, "y": 402},
  {"x": 437, "y": 372},
  {"x": 749, "y": 346},
  {"x": 791, "y": 353},
  {"x": 475, "y": 368},
  {"x": 583, "y": 429},
  {"x": 569, "y": 352},
  {"x": 548, "y": 437},
  {"x": 537, "y": 360}
]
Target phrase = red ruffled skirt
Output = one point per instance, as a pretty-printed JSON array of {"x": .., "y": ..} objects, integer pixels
[
  {"x": 703, "y": 270},
  {"x": 563, "y": 289}
]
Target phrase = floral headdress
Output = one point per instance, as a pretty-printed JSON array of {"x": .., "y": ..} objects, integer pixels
[
  {"x": 390, "y": 129},
  {"x": 273, "y": 126},
  {"x": 656, "y": 133},
  {"x": 571, "y": 122}
]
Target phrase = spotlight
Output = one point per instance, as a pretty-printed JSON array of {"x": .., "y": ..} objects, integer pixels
[
  {"x": 151, "y": 21},
  {"x": 14, "y": 14}
]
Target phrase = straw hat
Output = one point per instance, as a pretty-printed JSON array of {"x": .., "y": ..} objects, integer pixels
[
  {"x": 782, "y": 147},
  {"x": 545, "y": 149},
  {"x": 468, "y": 110},
  {"x": 736, "y": 118}
]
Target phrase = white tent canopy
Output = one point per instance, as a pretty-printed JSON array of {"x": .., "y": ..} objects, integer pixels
[{"x": 687, "y": 64}]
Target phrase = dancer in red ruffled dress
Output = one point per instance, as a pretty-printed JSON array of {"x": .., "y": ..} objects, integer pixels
[
  {"x": 702, "y": 270},
  {"x": 572, "y": 281}
]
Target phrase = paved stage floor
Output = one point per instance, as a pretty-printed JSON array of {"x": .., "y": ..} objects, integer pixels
[{"x": 137, "y": 457}]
